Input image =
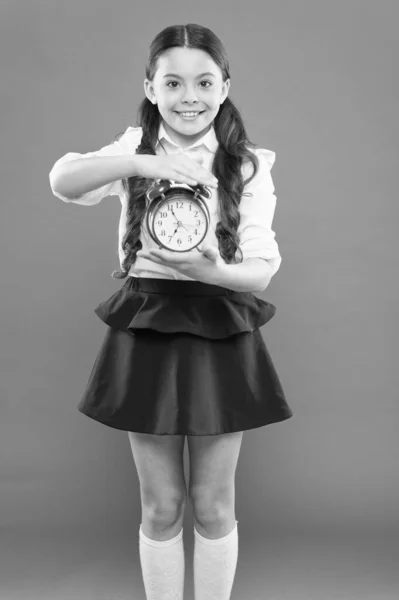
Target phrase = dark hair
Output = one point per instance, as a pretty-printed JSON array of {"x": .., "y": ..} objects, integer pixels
[{"x": 231, "y": 152}]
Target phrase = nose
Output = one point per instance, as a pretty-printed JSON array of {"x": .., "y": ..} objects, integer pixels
[{"x": 190, "y": 97}]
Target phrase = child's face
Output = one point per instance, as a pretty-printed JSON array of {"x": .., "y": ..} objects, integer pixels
[{"x": 188, "y": 92}]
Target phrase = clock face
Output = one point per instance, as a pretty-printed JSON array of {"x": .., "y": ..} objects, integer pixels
[{"x": 180, "y": 224}]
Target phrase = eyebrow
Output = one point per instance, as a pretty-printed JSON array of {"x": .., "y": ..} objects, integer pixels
[{"x": 178, "y": 76}]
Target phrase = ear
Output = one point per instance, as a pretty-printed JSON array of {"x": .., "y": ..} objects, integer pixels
[
  {"x": 225, "y": 90},
  {"x": 149, "y": 91}
]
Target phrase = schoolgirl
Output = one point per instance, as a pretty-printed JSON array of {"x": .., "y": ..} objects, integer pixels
[{"x": 183, "y": 354}]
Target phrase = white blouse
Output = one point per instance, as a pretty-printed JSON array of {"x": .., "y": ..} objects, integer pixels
[{"x": 257, "y": 239}]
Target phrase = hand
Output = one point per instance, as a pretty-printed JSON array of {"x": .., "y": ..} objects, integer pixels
[
  {"x": 174, "y": 167},
  {"x": 202, "y": 266}
]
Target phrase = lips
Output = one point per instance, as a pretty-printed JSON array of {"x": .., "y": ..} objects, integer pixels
[{"x": 189, "y": 111}]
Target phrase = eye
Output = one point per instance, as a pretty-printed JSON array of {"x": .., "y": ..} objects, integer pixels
[{"x": 204, "y": 81}]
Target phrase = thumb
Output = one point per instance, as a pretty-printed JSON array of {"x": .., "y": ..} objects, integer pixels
[{"x": 210, "y": 252}]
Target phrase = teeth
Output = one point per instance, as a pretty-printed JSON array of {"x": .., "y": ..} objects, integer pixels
[{"x": 189, "y": 114}]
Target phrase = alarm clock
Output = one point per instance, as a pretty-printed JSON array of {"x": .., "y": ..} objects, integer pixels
[{"x": 177, "y": 215}]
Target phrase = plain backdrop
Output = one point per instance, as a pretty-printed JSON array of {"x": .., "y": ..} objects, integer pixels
[{"x": 316, "y": 82}]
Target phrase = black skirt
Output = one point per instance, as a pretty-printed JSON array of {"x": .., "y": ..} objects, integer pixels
[{"x": 183, "y": 357}]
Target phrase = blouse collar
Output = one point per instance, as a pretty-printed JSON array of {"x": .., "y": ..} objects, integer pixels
[{"x": 209, "y": 139}]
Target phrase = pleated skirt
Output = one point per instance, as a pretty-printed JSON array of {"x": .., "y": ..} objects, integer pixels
[{"x": 183, "y": 357}]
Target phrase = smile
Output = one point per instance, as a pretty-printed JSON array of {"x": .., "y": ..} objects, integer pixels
[{"x": 189, "y": 115}]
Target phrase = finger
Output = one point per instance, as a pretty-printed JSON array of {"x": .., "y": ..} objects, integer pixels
[
  {"x": 184, "y": 178},
  {"x": 156, "y": 259},
  {"x": 206, "y": 178},
  {"x": 170, "y": 257},
  {"x": 210, "y": 253},
  {"x": 195, "y": 174},
  {"x": 147, "y": 255}
]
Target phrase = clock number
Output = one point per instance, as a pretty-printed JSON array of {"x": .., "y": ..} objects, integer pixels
[{"x": 178, "y": 205}]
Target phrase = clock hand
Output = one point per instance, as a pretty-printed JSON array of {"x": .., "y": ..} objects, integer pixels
[
  {"x": 177, "y": 221},
  {"x": 182, "y": 224}
]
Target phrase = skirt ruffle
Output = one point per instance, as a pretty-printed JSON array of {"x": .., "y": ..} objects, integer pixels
[{"x": 185, "y": 307}]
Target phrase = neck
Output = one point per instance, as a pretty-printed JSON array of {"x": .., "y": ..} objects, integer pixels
[{"x": 184, "y": 140}]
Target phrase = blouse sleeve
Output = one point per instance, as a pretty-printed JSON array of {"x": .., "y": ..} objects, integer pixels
[
  {"x": 126, "y": 144},
  {"x": 257, "y": 239}
]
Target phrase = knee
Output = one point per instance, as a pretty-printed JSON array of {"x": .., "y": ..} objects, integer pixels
[
  {"x": 212, "y": 506},
  {"x": 166, "y": 509}
]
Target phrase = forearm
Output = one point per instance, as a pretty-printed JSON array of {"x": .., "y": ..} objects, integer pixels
[
  {"x": 81, "y": 175},
  {"x": 252, "y": 275}
]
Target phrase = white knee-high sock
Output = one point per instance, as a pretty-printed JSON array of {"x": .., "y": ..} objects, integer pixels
[
  {"x": 162, "y": 565},
  {"x": 215, "y": 563}
]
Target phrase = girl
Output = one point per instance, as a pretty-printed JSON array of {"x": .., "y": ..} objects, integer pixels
[{"x": 183, "y": 354}]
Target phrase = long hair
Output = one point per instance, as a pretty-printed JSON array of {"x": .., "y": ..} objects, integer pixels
[{"x": 228, "y": 159}]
